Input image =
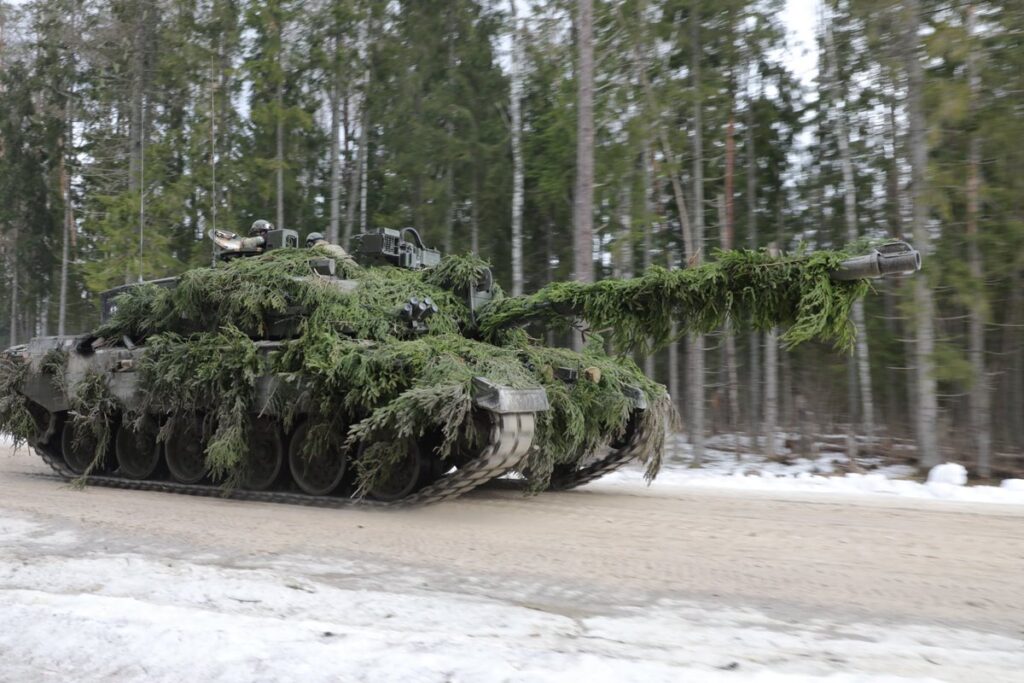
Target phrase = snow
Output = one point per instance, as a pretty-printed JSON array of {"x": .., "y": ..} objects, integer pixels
[
  {"x": 822, "y": 475},
  {"x": 1010, "y": 492},
  {"x": 70, "y": 610},
  {"x": 950, "y": 473}
]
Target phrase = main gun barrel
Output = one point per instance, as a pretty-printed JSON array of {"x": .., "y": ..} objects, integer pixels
[{"x": 888, "y": 259}]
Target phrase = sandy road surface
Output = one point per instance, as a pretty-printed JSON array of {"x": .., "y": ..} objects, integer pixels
[{"x": 954, "y": 565}]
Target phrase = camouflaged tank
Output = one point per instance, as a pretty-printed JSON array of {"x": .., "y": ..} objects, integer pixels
[{"x": 391, "y": 375}]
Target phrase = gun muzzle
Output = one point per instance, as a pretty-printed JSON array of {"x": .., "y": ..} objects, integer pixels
[{"x": 889, "y": 259}]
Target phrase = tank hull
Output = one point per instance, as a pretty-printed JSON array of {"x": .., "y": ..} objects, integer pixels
[{"x": 49, "y": 389}]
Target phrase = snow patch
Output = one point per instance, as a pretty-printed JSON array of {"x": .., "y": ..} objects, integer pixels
[
  {"x": 129, "y": 617},
  {"x": 675, "y": 477},
  {"x": 950, "y": 473}
]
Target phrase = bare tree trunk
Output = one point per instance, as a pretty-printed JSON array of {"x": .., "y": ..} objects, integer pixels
[
  {"x": 673, "y": 364},
  {"x": 624, "y": 241},
  {"x": 583, "y": 217},
  {"x": 1014, "y": 350},
  {"x": 336, "y": 179},
  {"x": 517, "y": 156},
  {"x": 213, "y": 146},
  {"x": 364, "y": 165},
  {"x": 696, "y": 357},
  {"x": 754, "y": 338},
  {"x": 867, "y": 394},
  {"x": 12, "y": 265},
  {"x": 136, "y": 103},
  {"x": 279, "y": 153},
  {"x": 924, "y": 306},
  {"x": 728, "y": 231},
  {"x": 69, "y": 214},
  {"x": 449, "y": 193},
  {"x": 860, "y": 364},
  {"x": 449, "y": 126},
  {"x": 771, "y": 390},
  {"x": 137, "y": 125},
  {"x": 981, "y": 428},
  {"x": 474, "y": 217},
  {"x": 357, "y": 180},
  {"x": 648, "y": 171}
]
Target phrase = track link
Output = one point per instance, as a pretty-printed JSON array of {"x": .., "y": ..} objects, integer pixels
[
  {"x": 636, "y": 444},
  {"x": 510, "y": 439}
]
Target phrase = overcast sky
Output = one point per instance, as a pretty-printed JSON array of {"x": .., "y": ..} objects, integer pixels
[{"x": 799, "y": 18}]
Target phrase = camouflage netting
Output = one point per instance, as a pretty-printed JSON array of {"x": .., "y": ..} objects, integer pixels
[{"x": 360, "y": 376}]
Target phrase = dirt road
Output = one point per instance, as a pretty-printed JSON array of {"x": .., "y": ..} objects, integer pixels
[{"x": 867, "y": 560}]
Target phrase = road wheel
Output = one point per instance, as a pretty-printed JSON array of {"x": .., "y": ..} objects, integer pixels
[
  {"x": 78, "y": 446},
  {"x": 404, "y": 478},
  {"x": 185, "y": 449},
  {"x": 138, "y": 450},
  {"x": 317, "y": 471},
  {"x": 266, "y": 455}
]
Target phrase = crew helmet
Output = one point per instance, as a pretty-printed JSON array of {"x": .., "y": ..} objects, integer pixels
[{"x": 260, "y": 227}]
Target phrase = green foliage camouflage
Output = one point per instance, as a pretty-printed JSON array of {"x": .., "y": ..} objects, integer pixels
[
  {"x": 752, "y": 288},
  {"x": 95, "y": 412},
  {"x": 15, "y": 418},
  {"x": 366, "y": 382}
]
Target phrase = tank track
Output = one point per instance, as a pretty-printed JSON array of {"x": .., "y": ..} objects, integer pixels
[
  {"x": 511, "y": 437},
  {"x": 633, "y": 449}
]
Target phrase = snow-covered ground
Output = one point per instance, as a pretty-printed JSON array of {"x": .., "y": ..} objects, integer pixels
[
  {"x": 742, "y": 470},
  {"x": 85, "y": 609},
  {"x": 822, "y": 475}
]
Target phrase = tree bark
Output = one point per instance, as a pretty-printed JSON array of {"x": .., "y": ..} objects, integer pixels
[
  {"x": 474, "y": 216},
  {"x": 336, "y": 179},
  {"x": 771, "y": 390},
  {"x": 137, "y": 93},
  {"x": 624, "y": 241},
  {"x": 1014, "y": 351},
  {"x": 584, "y": 199},
  {"x": 924, "y": 306},
  {"x": 213, "y": 146},
  {"x": 981, "y": 429},
  {"x": 136, "y": 134},
  {"x": 69, "y": 214},
  {"x": 518, "y": 172},
  {"x": 754, "y": 339},
  {"x": 357, "y": 179},
  {"x": 696, "y": 349},
  {"x": 860, "y": 364},
  {"x": 357, "y": 182},
  {"x": 12, "y": 265},
  {"x": 583, "y": 218},
  {"x": 728, "y": 231},
  {"x": 279, "y": 151},
  {"x": 648, "y": 185},
  {"x": 449, "y": 126},
  {"x": 364, "y": 163}
]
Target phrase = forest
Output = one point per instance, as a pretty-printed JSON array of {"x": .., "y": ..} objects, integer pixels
[{"x": 559, "y": 140}]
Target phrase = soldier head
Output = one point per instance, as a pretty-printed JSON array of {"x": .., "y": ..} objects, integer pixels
[
  {"x": 313, "y": 238},
  {"x": 260, "y": 228}
]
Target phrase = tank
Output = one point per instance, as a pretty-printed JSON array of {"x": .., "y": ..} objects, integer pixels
[{"x": 389, "y": 375}]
